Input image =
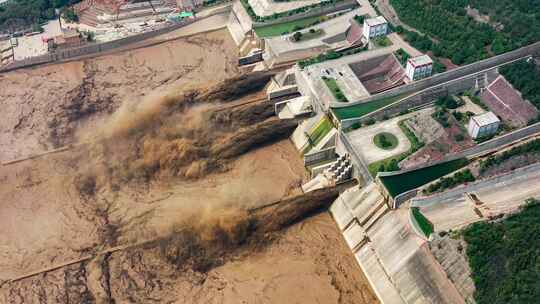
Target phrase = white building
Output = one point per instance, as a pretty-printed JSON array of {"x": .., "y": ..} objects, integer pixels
[
  {"x": 483, "y": 125},
  {"x": 419, "y": 67},
  {"x": 375, "y": 27}
]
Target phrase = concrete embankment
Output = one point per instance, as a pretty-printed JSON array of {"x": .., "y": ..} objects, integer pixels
[{"x": 396, "y": 261}]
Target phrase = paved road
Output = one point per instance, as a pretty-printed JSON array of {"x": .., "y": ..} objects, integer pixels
[{"x": 501, "y": 194}]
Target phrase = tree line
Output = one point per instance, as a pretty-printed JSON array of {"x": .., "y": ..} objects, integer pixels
[
  {"x": 524, "y": 76},
  {"x": 504, "y": 257},
  {"x": 448, "y": 31},
  {"x": 21, "y": 14}
]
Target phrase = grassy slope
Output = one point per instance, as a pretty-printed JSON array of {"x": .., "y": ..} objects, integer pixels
[
  {"x": 423, "y": 222},
  {"x": 362, "y": 109}
]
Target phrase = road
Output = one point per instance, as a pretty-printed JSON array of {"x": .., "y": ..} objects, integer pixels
[{"x": 481, "y": 200}]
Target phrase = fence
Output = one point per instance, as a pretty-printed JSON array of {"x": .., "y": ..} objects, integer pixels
[{"x": 94, "y": 48}]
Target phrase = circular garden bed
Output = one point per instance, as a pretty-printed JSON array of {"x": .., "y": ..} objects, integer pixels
[{"x": 385, "y": 141}]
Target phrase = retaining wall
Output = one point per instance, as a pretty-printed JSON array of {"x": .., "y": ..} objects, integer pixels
[
  {"x": 459, "y": 72},
  {"x": 347, "y": 4},
  {"x": 91, "y": 49},
  {"x": 427, "y": 96},
  {"x": 360, "y": 170}
]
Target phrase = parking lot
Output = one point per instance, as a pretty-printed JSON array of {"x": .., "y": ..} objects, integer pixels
[{"x": 30, "y": 46}]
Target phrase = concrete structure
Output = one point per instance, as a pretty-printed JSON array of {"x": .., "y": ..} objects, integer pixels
[
  {"x": 355, "y": 33},
  {"x": 189, "y": 5},
  {"x": 358, "y": 76},
  {"x": 374, "y": 70},
  {"x": 362, "y": 140},
  {"x": 293, "y": 108},
  {"x": 269, "y": 7},
  {"x": 481, "y": 200},
  {"x": 419, "y": 67},
  {"x": 396, "y": 261},
  {"x": 283, "y": 49},
  {"x": 483, "y": 125},
  {"x": 375, "y": 27},
  {"x": 68, "y": 39}
]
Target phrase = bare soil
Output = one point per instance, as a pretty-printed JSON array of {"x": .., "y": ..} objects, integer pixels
[{"x": 439, "y": 141}]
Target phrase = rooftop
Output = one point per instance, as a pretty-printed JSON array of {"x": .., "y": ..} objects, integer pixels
[
  {"x": 375, "y": 21},
  {"x": 421, "y": 60},
  {"x": 485, "y": 119},
  {"x": 70, "y": 33}
]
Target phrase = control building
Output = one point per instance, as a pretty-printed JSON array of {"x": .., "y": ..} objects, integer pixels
[
  {"x": 483, "y": 125},
  {"x": 419, "y": 67},
  {"x": 375, "y": 27}
]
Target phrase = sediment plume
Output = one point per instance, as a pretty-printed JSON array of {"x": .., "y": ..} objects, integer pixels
[
  {"x": 185, "y": 134},
  {"x": 210, "y": 239}
]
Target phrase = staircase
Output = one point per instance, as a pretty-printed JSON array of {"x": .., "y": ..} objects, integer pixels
[{"x": 341, "y": 169}]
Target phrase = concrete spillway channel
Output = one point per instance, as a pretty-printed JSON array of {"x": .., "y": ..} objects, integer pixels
[{"x": 395, "y": 259}]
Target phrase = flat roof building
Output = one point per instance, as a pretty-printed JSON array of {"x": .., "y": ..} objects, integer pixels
[
  {"x": 483, "y": 125},
  {"x": 419, "y": 67},
  {"x": 68, "y": 38},
  {"x": 375, "y": 27}
]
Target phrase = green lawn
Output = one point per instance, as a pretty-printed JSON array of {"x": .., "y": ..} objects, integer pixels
[
  {"x": 287, "y": 27},
  {"x": 334, "y": 88},
  {"x": 425, "y": 225},
  {"x": 385, "y": 141},
  {"x": 307, "y": 35},
  {"x": 382, "y": 41},
  {"x": 362, "y": 109},
  {"x": 404, "y": 182}
]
